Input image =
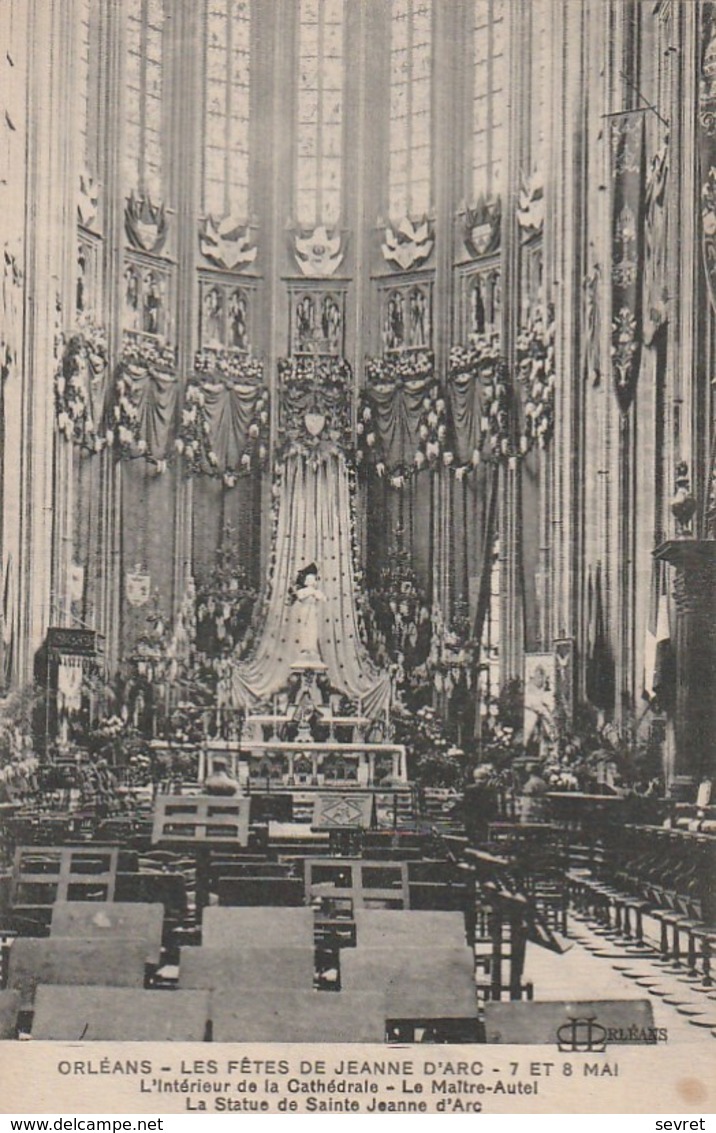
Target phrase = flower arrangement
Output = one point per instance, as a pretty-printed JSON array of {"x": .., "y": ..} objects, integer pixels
[
  {"x": 433, "y": 761},
  {"x": 194, "y": 441},
  {"x": 86, "y": 350},
  {"x": 405, "y": 366},
  {"x": 229, "y": 365},
  {"x": 535, "y": 361},
  {"x": 148, "y": 354}
]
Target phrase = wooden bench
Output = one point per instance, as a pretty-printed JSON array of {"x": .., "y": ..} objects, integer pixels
[
  {"x": 201, "y": 819},
  {"x": 43, "y": 875},
  {"x": 10, "y": 1003},
  {"x": 573, "y": 1025},
  {"x": 408, "y": 928},
  {"x": 257, "y": 927},
  {"x": 88, "y": 961},
  {"x": 120, "y": 1014},
  {"x": 285, "y": 1015},
  {"x": 222, "y": 969},
  {"x": 365, "y": 883},
  {"x": 138, "y": 921}
]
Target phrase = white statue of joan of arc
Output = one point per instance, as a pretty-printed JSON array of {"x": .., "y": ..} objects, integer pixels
[{"x": 307, "y": 597}]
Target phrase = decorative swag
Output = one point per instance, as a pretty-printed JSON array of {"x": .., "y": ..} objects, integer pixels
[
  {"x": 224, "y": 429},
  {"x": 407, "y": 421},
  {"x": 479, "y": 403},
  {"x": 145, "y": 410},
  {"x": 81, "y": 389},
  {"x": 401, "y": 421}
]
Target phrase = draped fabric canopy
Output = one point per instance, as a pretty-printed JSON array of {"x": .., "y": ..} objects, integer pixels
[
  {"x": 314, "y": 526},
  {"x": 229, "y": 411},
  {"x": 466, "y": 396},
  {"x": 397, "y": 409},
  {"x": 155, "y": 397}
]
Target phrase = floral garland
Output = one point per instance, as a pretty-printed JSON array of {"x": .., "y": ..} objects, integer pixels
[
  {"x": 481, "y": 360},
  {"x": 432, "y": 423},
  {"x": 138, "y": 354},
  {"x": 229, "y": 365},
  {"x": 193, "y": 441},
  {"x": 72, "y": 409},
  {"x": 535, "y": 360},
  {"x": 404, "y": 366}
]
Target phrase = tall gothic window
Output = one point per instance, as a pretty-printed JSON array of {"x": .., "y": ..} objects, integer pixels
[
  {"x": 489, "y": 114},
  {"x": 410, "y": 98},
  {"x": 144, "y": 83},
  {"x": 320, "y": 112},
  {"x": 83, "y": 82},
  {"x": 226, "y": 109}
]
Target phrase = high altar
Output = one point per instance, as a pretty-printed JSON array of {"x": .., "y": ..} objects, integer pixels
[{"x": 314, "y": 709}]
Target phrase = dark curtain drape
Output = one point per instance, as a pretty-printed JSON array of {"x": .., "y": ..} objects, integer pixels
[
  {"x": 229, "y": 412},
  {"x": 148, "y": 538},
  {"x": 220, "y": 513},
  {"x": 474, "y": 496},
  {"x": 397, "y": 409},
  {"x": 155, "y": 397}
]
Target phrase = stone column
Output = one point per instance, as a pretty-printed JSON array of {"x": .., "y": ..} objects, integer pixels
[
  {"x": 371, "y": 768},
  {"x": 694, "y": 562}
]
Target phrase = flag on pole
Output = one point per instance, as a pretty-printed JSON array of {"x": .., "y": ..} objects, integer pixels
[{"x": 658, "y": 652}]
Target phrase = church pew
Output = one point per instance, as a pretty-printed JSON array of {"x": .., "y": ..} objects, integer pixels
[
  {"x": 77, "y": 961},
  {"x": 138, "y": 921},
  {"x": 542, "y": 1022},
  {"x": 220, "y": 969},
  {"x": 417, "y": 983},
  {"x": 408, "y": 928},
  {"x": 437, "y": 895},
  {"x": 167, "y": 889},
  {"x": 260, "y": 891},
  {"x": 368, "y": 884},
  {"x": 249, "y": 869},
  {"x": 286, "y": 1015},
  {"x": 120, "y": 1014},
  {"x": 255, "y": 927},
  {"x": 9, "y": 1008}
]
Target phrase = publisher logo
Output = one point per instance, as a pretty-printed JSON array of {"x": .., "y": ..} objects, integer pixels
[{"x": 582, "y": 1035}]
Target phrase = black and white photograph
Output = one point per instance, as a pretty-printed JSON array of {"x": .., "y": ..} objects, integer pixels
[{"x": 358, "y": 556}]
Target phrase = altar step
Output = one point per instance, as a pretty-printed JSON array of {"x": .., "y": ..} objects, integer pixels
[{"x": 395, "y": 805}]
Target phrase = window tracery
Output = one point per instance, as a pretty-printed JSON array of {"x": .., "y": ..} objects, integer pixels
[
  {"x": 319, "y": 145},
  {"x": 409, "y": 189},
  {"x": 488, "y": 107},
  {"x": 144, "y": 83},
  {"x": 227, "y": 91}
]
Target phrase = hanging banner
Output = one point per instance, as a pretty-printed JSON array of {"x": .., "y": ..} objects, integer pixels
[
  {"x": 707, "y": 150},
  {"x": 137, "y": 586},
  {"x": 628, "y": 185},
  {"x": 656, "y": 309}
]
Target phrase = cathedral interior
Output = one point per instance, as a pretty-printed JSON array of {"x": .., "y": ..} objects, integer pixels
[{"x": 357, "y": 519}]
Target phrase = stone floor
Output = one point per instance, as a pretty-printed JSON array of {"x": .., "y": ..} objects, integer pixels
[{"x": 597, "y": 966}]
